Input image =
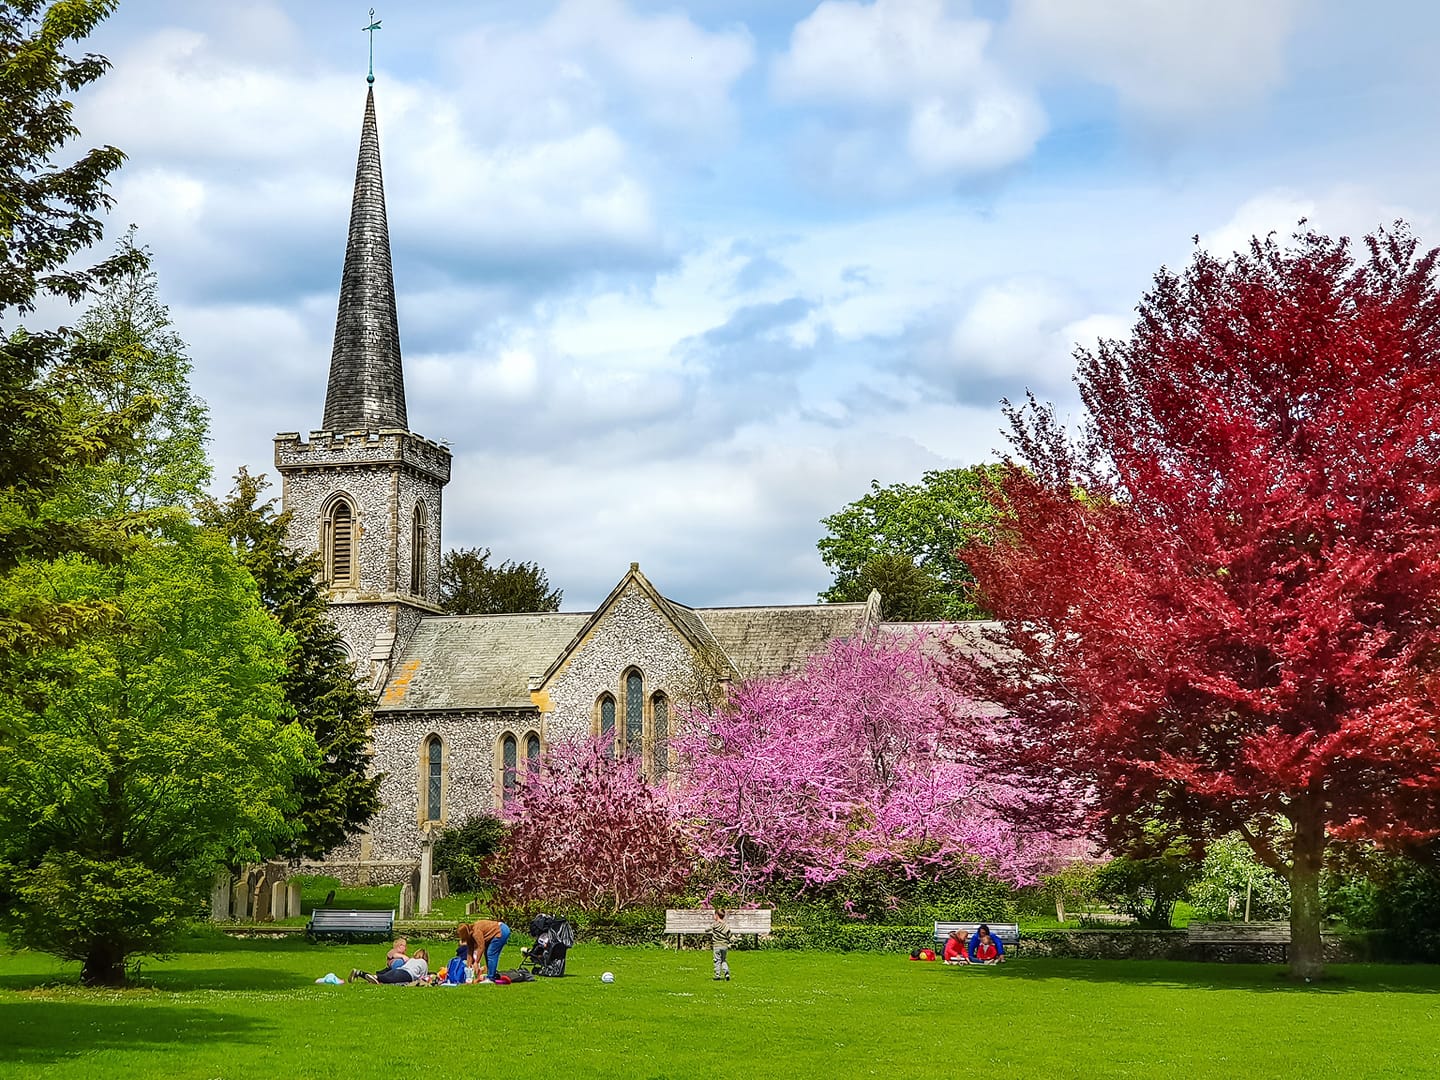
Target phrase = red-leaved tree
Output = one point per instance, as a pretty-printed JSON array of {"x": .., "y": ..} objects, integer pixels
[
  {"x": 1222, "y": 595},
  {"x": 588, "y": 831},
  {"x": 855, "y": 762}
]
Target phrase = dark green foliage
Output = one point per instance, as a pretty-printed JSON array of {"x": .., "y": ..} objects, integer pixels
[
  {"x": 1148, "y": 887},
  {"x": 470, "y": 585},
  {"x": 319, "y": 680},
  {"x": 461, "y": 849},
  {"x": 48, "y": 215},
  {"x": 871, "y": 542},
  {"x": 884, "y": 894}
]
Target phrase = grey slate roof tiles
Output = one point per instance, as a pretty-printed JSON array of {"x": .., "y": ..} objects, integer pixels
[
  {"x": 486, "y": 661},
  {"x": 367, "y": 386}
]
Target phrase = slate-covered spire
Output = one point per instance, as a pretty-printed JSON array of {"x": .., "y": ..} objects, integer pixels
[{"x": 367, "y": 383}]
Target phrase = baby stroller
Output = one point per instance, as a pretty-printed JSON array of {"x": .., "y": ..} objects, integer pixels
[{"x": 553, "y": 938}]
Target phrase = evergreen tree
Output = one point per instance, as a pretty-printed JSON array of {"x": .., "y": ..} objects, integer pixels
[
  {"x": 470, "y": 585},
  {"x": 319, "y": 680},
  {"x": 139, "y": 362}
]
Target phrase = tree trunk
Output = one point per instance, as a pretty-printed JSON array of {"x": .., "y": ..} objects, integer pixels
[
  {"x": 104, "y": 965},
  {"x": 1307, "y": 957}
]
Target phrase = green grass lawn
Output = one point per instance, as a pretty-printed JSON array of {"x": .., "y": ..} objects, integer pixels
[{"x": 249, "y": 1009}]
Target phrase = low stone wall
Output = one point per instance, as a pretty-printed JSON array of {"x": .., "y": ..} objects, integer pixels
[{"x": 366, "y": 872}]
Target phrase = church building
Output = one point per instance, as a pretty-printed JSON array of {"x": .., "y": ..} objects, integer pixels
[{"x": 466, "y": 703}]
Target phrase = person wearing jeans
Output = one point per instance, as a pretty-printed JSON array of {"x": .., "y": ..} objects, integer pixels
[{"x": 489, "y": 937}]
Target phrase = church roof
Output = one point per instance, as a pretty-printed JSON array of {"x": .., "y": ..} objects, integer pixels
[
  {"x": 763, "y": 641},
  {"x": 477, "y": 661},
  {"x": 367, "y": 386}
]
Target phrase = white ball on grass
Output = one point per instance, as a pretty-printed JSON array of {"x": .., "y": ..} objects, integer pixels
[{"x": 607, "y": 977}]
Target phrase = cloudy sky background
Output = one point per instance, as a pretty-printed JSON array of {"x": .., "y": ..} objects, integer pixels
[{"x": 676, "y": 280}]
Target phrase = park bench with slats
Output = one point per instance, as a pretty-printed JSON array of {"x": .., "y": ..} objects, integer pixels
[
  {"x": 1252, "y": 933},
  {"x": 745, "y": 921},
  {"x": 343, "y": 922},
  {"x": 1007, "y": 933}
]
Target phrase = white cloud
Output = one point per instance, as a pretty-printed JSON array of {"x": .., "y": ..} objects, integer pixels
[
  {"x": 1165, "y": 58},
  {"x": 912, "y": 92},
  {"x": 1340, "y": 211},
  {"x": 593, "y": 59}
]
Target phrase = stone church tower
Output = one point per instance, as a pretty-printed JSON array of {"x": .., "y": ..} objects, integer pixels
[{"x": 363, "y": 491}]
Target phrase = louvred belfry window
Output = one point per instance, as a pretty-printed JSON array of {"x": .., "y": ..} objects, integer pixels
[{"x": 341, "y": 544}]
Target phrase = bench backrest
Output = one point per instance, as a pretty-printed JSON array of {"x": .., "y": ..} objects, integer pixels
[
  {"x": 1007, "y": 932},
  {"x": 746, "y": 921},
  {"x": 1259, "y": 933},
  {"x": 344, "y": 921}
]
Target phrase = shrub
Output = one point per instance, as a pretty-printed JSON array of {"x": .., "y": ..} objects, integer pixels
[{"x": 461, "y": 848}]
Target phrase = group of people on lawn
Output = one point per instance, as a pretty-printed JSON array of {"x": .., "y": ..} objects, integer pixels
[
  {"x": 982, "y": 948},
  {"x": 478, "y": 958}
]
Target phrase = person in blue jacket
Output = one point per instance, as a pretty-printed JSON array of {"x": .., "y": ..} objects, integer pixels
[{"x": 985, "y": 948}]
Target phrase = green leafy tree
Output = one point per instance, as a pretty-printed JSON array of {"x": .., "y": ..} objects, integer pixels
[
  {"x": 471, "y": 585},
  {"x": 924, "y": 524},
  {"x": 151, "y": 753},
  {"x": 48, "y": 216},
  {"x": 319, "y": 681},
  {"x": 1229, "y": 873},
  {"x": 1151, "y": 876},
  {"x": 139, "y": 362}
]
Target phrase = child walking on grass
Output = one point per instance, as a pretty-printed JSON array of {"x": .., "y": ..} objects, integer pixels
[{"x": 720, "y": 941}]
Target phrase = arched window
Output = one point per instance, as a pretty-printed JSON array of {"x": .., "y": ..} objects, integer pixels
[
  {"x": 433, "y": 759},
  {"x": 339, "y": 544},
  {"x": 532, "y": 751},
  {"x": 417, "y": 551},
  {"x": 509, "y": 762},
  {"x": 607, "y": 718},
  {"x": 660, "y": 744},
  {"x": 634, "y": 713}
]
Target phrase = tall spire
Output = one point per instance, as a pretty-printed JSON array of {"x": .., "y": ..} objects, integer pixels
[{"x": 367, "y": 383}]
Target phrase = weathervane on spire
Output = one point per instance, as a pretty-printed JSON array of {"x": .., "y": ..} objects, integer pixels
[{"x": 374, "y": 25}]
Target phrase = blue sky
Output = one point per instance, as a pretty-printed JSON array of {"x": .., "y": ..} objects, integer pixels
[{"x": 677, "y": 280}]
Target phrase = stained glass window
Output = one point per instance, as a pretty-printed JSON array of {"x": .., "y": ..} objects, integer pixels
[
  {"x": 508, "y": 751},
  {"x": 607, "y": 718},
  {"x": 634, "y": 713},
  {"x": 660, "y": 711},
  {"x": 433, "y": 786}
]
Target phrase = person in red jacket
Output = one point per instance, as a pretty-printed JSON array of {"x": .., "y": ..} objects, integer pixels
[
  {"x": 985, "y": 948},
  {"x": 955, "y": 949}
]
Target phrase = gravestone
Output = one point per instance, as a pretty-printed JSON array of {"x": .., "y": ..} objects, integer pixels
[
  {"x": 279, "y": 893},
  {"x": 407, "y": 901},
  {"x": 220, "y": 895},
  {"x": 242, "y": 896},
  {"x": 292, "y": 900}
]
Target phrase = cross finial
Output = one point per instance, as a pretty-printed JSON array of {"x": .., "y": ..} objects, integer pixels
[{"x": 374, "y": 25}]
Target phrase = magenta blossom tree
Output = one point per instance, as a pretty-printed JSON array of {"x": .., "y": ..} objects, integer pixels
[
  {"x": 860, "y": 760},
  {"x": 590, "y": 832}
]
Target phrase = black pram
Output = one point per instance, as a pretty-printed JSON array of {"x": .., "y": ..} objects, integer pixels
[{"x": 553, "y": 938}]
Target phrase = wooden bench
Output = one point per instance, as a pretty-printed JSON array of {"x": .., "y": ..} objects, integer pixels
[
  {"x": 1007, "y": 933},
  {"x": 744, "y": 921},
  {"x": 342, "y": 922},
  {"x": 1270, "y": 934}
]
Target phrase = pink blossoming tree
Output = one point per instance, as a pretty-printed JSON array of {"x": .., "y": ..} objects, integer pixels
[
  {"x": 860, "y": 760},
  {"x": 590, "y": 832}
]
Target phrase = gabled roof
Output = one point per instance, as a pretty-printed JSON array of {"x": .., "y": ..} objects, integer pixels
[
  {"x": 476, "y": 661},
  {"x": 679, "y": 616}
]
